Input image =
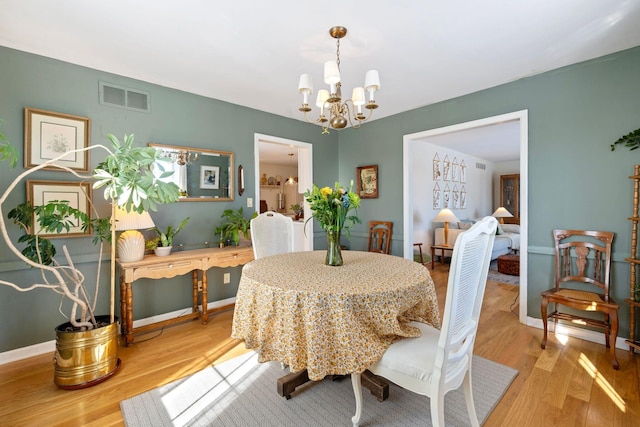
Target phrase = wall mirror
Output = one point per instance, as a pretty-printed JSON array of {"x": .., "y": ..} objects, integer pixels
[{"x": 202, "y": 175}]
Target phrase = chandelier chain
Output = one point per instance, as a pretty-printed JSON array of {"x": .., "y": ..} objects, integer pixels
[{"x": 338, "y": 53}]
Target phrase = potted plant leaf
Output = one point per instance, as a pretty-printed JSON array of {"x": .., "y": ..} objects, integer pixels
[
  {"x": 234, "y": 225},
  {"x": 86, "y": 352},
  {"x": 162, "y": 244}
]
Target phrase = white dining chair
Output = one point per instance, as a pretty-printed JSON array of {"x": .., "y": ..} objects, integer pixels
[
  {"x": 271, "y": 234},
  {"x": 440, "y": 360}
]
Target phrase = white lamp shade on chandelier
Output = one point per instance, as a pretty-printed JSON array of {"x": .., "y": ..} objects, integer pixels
[
  {"x": 131, "y": 241},
  {"x": 333, "y": 111}
]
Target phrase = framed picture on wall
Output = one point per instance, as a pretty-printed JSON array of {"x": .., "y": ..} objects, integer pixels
[
  {"x": 210, "y": 177},
  {"x": 446, "y": 197},
  {"x": 437, "y": 173},
  {"x": 367, "y": 181},
  {"x": 49, "y": 135},
  {"x": 78, "y": 194},
  {"x": 446, "y": 169},
  {"x": 437, "y": 197}
]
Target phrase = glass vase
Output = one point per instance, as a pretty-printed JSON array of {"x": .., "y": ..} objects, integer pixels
[{"x": 334, "y": 256}]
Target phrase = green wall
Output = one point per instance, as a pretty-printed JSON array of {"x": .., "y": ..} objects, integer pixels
[
  {"x": 176, "y": 117},
  {"x": 575, "y": 113},
  {"x": 575, "y": 181}
]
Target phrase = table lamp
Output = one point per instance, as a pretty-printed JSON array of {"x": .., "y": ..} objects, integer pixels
[
  {"x": 131, "y": 241},
  {"x": 501, "y": 213},
  {"x": 446, "y": 216}
]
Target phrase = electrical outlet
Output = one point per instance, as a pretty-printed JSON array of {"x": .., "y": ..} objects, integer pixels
[
  {"x": 227, "y": 278},
  {"x": 249, "y": 202},
  {"x": 199, "y": 285}
]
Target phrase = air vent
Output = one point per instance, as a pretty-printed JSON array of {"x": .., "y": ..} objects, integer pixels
[
  {"x": 480, "y": 166},
  {"x": 124, "y": 97}
]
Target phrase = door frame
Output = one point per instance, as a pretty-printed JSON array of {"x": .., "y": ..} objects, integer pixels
[
  {"x": 408, "y": 188},
  {"x": 305, "y": 170}
]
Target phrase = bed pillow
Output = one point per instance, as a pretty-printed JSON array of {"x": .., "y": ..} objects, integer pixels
[
  {"x": 499, "y": 229},
  {"x": 464, "y": 225},
  {"x": 511, "y": 228}
]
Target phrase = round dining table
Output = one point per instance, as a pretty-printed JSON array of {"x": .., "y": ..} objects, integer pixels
[{"x": 294, "y": 309}]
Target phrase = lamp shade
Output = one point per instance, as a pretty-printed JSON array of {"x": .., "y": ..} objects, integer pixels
[
  {"x": 502, "y": 213},
  {"x": 372, "y": 80},
  {"x": 132, "y": 220},
  {"x": 323, "y": 95},
  {"x": 445, "y": 215},
  {"x": 358, "y": 96},
  {"x": 306, "y": 84},
  {"x": 331, "y": 73}
]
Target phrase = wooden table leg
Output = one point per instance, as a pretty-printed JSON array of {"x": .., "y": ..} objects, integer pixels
[
  {"x": 288, "y": 383},
  {"x": 194, "y": 291},
  {"x": 378, "y": 386},
  {"x": 205, "y": 298},
  {"x": 123, "y": 308},
  {"x": 128, "y": 298},
  {"x": 433, "y": 257}
]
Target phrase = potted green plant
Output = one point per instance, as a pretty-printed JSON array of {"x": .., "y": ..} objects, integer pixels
[
  {"x": 86, "y": 345},
  {"x": 298, "y": 210},
  {"x": 234, "y": 224},
  {"x": 162, "y": 244}
]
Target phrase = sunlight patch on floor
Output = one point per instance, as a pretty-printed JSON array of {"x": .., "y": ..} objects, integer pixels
[
  {"x": 562, "y": 337},
  {"x": 185, "y": 400},
  {"x": 584, "y": 361},
  {"x": 224, "y": 350}
]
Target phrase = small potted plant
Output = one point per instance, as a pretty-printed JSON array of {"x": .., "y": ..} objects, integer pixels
[
  {"x": 299, "y": 212},
  {"x": 164, "y": 242},
  {"x": 233, "y": 226}
]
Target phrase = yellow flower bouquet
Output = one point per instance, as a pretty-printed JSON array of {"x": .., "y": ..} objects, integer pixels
[{"x": 330, "y": 207}]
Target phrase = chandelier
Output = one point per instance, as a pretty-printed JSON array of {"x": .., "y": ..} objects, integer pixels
[
  {"x": 181, "y": 157},
  {"x": 334, "y": 112}
]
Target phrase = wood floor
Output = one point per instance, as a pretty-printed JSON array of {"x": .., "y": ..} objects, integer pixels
[{"x": 569, "y": 383}]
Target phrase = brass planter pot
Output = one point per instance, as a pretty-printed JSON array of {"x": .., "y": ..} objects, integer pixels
[{"x": 85, "y": 358}]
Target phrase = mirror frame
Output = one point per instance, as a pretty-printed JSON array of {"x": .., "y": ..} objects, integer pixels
[{"x": 204, "y": 151}]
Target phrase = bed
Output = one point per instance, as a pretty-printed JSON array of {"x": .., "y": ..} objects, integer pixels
[{"x": 507, "y": 238}]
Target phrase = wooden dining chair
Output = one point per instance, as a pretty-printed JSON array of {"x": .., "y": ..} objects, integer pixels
[
  {"x": 439, "y": 361},
  {"x": 271, "y": 234},
  {"x": 583, "y": 263},
  {"x": 380, "y": 236}
]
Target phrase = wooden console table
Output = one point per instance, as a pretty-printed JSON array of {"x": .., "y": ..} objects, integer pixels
[{"x": 166, "y": 267}]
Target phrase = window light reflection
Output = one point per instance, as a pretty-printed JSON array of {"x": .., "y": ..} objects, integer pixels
[{"x": 584, "y": 361}]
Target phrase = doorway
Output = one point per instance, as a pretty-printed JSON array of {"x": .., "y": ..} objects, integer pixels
[
  {"x": 271, "y": 147},
  {"x": 409, "y": 188}
]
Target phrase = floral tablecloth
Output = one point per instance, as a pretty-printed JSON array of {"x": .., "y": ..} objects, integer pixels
[{"x": 294, "y": 309}]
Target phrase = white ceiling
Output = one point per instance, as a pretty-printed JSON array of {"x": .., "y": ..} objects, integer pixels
[
  {"x": 497, "y": 142},
  {"x": 252, "y": 52}
]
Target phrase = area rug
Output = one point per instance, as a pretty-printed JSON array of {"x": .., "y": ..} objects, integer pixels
[
  {"x": 496, "y": 276},
  {"x": 242, "y": 392}
]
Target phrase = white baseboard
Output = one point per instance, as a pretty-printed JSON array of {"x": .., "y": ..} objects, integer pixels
[
  {"x": 584, "y": 334},
  {"x": 50, "y": 346},
  {"x": 29, "y": 351}
]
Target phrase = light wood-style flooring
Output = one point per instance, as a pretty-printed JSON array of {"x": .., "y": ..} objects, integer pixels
[{"x": 571, "y": 383}]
